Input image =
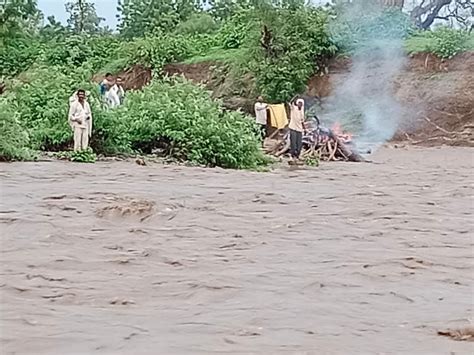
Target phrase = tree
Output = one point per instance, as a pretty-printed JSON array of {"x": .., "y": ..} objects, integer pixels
[
  {"x": 427, "y": 12},
  {"x": 19, "y": 15},
  {"x": 138, "y": 17},
  {"x": 53, "y": 28},
  {"x": 83, "y": 17}
]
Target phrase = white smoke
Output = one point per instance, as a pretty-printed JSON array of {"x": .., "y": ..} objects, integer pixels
[{"x": 363, "y": 100}]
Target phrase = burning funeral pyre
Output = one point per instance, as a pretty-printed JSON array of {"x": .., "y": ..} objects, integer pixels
[{"x": 327, "y": 144}]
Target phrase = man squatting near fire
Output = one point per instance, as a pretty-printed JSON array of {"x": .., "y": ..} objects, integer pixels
[{"x": 296, "y": 125}]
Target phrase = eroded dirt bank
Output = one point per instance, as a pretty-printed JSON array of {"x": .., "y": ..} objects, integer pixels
[{"x": 116, "y": 258}]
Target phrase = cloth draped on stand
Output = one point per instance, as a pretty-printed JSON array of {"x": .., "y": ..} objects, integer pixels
[{"x": 278, "y": 117}]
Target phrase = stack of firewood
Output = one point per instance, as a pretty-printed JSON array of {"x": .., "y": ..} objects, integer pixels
[{"x": 323, "y": 144}]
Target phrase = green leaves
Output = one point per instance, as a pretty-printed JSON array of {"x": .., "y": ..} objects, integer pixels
[
  {"x": 299, "y": 39},
  {"x": 360, "y": 28},
  {"x": 14, "y": 140},
  {"x": 41, "y": 102},
  {"x": 447, "y": 42},
  {"x": 182, "y": 121},
  {"x": 443, "y": 41},
  {"x": 83, "y": 156},
  {"x": 143, "y": 17}
]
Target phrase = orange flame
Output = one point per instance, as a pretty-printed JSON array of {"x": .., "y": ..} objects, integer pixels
[{"x": 345, "y": 137}]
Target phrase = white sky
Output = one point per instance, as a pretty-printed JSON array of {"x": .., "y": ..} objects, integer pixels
[{"x": 105, "y": 8}]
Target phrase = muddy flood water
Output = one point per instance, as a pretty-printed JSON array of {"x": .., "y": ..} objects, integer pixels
[{"x": 117, "y": 258}]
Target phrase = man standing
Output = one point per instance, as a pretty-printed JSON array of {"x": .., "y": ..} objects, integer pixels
[
  {"x": 80, "y": 119},
  {"x": 106, "y": 91},
  {"x": 106, "y": 84},
  {"x": 118, "y": 90},
  {"x": 296, "y": 127},
  {"x": 261, "y": 117}
]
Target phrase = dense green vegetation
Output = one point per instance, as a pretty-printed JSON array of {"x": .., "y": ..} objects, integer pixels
[
  {"x": 444, "y": 42},
  {"x": 277, "y": 44}
]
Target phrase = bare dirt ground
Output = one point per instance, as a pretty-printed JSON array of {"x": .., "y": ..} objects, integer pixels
[{"x": 116, "y": 258}]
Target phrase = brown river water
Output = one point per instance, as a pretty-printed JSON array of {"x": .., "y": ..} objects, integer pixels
[{"x": 117, "y": 258}]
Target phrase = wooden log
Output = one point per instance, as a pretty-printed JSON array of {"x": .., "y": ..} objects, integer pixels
[
  {"x": 342, "y": 154},
  {"x": 333, "y": 154},
  {"x": 350, "y": 154},
  {"x": 283, "y": 150}
]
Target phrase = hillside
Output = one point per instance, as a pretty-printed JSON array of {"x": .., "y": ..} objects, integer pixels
[{"x": 437, "y": 93}]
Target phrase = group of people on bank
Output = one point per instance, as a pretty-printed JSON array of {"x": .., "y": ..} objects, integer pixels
[
  {"x": 113, "y": 95},
  {"x": 80, "y": 115},
  {"x": 296, "y": 124},
  {"x": 111, "y": 90}
]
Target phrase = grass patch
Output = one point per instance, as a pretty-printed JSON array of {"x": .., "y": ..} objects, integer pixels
[
  {"x": 470, "y": 42},
  {"x": 444, "y": 43},
  {"x": 218, "y": 55},
  {"x": 116, "y": 65},
  {"x": 419, "y": 44}
]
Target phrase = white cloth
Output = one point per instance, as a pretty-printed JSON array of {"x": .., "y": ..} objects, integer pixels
[
  {"x": 261, "y": 112},
  {"x": 119, "y": 91},
  {"x": 111, "y": 98}
]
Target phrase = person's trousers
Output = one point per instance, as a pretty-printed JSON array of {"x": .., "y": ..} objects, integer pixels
[
  {"x": 296, "y": 143},
  {"x": 81, "y": 138},
  {"x": 262, "y": 131}
]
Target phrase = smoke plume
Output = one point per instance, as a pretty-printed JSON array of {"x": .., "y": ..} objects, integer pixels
[{"x": 363, "y": 100}]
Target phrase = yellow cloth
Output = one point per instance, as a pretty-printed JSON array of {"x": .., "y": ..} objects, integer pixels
[{"x": 278, "y": 116}]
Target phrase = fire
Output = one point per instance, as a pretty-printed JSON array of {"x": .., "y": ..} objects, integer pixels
[{"x": 345, "y": 137}]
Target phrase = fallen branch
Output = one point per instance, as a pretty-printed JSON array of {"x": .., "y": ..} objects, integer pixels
[
  {"x": 438, "y": 127},
  {"x": 350, "y": 154},
  {"x": 331, "y": 149},
  {"x": 333, "y": 154}
]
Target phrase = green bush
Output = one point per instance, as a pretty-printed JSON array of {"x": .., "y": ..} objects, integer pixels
[
  {"x": 14, "y": 140},
  {"x": 443, "y": 41},
  {"x": 200, "y": 23},
  {"x": 176, "y": 116},
  {"x": 41, "y": 101},
  {"x": 76, "y": 50},
  {"x": 361, "y": 29},
  {"x": 300, "y": 41},
  {"x": 236, "y": 30},
  {"x": 18, "y": 54},
  {"x": 448, "y": 42},
  {"x": 83, "y": 156},
  {"x": 182, "y": 120},
  {"x": 157, "y": 51}
]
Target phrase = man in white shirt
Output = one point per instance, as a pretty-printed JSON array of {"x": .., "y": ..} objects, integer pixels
[
  {"x": 261, "y": 117},
  {"x": 80, "y": 120},
  {"x": 107, "y": 91},
  {"x": 296, "y": 127},
  {"x": 118, "y": 90}
]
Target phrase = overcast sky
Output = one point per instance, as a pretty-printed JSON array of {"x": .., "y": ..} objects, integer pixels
[{"x": 105, "y": 8}]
